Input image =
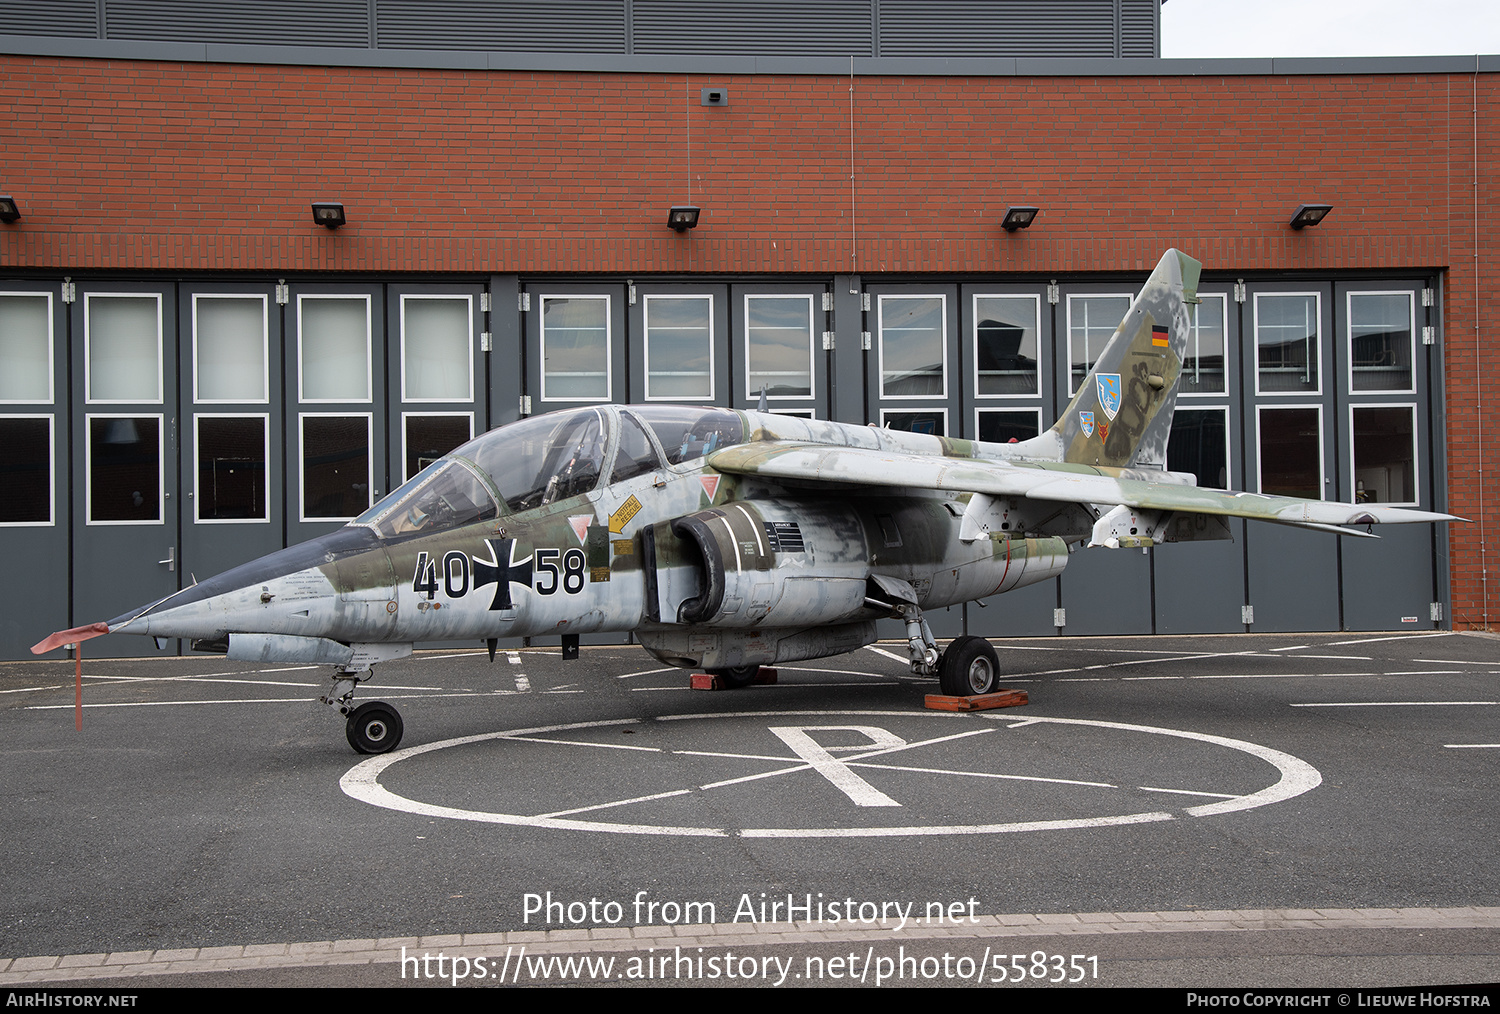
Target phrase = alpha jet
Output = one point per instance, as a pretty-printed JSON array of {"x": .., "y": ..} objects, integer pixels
[{"x": 726, "y": 540}]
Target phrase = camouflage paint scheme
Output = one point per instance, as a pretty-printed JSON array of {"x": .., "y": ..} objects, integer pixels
[{"x": 786, "y": 540}]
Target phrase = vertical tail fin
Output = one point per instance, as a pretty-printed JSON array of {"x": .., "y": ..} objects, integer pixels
[{"x": 1122, "y": 413}]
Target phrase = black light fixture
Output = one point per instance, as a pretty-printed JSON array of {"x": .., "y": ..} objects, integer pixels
[
  {"x": 10, "y": 211},
  {"x": 683, "y": 217},
  {"x": 1309, "y": 214},
  {"x": 1018, "y": 216},
  {"x": 329, "y": 214}
]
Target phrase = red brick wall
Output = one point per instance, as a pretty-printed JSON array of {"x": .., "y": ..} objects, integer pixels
[{"x": 212, "y": 167}]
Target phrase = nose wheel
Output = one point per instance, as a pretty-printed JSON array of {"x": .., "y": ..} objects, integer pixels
[{"x": 374, "y": 728}]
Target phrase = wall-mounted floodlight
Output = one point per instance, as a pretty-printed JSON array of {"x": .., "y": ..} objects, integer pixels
[
  {"x": 10, "y": 211},
  {"x": 1018, "y": 217},
  {"x": 329, "y": 214},
  {"x": 1309, "y": 214},
  {"x": 683, "y": 217}
]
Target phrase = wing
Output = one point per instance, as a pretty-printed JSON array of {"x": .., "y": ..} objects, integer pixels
[{"x": 1039, "y": 480}]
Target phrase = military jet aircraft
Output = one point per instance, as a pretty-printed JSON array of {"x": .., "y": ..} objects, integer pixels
[{"x": 726, "y": 540}]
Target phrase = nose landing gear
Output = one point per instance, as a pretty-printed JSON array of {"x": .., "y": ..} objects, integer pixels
[{"x": 373, "y": 727}]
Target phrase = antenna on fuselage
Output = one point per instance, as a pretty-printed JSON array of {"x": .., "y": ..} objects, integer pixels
[{"x": 762, "y": 407}]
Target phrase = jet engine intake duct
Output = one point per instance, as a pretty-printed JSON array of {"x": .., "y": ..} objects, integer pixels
[{"x": 774, "y": 563}]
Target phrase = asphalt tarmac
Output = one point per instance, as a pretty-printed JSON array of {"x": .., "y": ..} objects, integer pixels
[{"x": 1316, "y": 810}]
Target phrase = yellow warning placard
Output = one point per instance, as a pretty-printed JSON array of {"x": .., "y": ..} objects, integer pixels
[{"x": 620, "y": 518}]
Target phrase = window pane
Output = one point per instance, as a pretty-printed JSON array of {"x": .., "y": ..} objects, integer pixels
[
  {"x": 429, "y": 437},
  {"x": 124, "y": 469},
  {"x": 25, "y": 470},
  {"x": 636, "y": 456},
  {"x": 26, "y": 348},
  {"x": 1384, "y": 455},
  {"x": 679, "y": 347},
  {"x": 1091, "y": 322},
  {"x": 231, "y": 468},
  {"x": 1380, "y": 340},
  {"x": 124, "y": 348},
  {"x": 911, "y": 346},
  {"x": 335, "y": 348},
  {"x": 930, "y": 423},
  {"x": 1007, "y": 427},
  {"x": 1005, "y": 344},
  {"x": 778, "y": 339},
  {"x": 230, "y": 343},
  {"x": 575, "y": 348},
  {"x": 335, "y": 466},
  {"x": 1199, "y": 444},
  {"x": 435, "y": 349},
  {"x": 1286, "y": 342},
  {"x": 1203, "y": 368},
  {"x": 1291, "y": 461}
]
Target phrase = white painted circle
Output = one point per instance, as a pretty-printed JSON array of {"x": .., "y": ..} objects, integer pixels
[{"x": 362, "y": 782}]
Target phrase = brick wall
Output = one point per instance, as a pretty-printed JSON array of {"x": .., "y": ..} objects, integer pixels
[{"x": 131, "y": 165}]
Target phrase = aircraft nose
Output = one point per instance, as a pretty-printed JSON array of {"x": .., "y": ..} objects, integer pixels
[{"x": 238, "y": 599}]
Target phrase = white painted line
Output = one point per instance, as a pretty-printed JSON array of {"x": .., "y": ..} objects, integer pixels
[
  {"x": 900, "y": 832},
  {"x": 986, "y": 774},
  {"x": 1352, "y": 658},
  {"x": 514, "y": 658},
  {"x": 1471, "y": 746},
  {"x": 423, "y": 657},
  {"x": 888, "y": 654},
  {"x": 1392, "y": 704},
  {"x": 575, "y": 742},
  {"x": 1427, "y": 672},
  {"x": 1457, "y": 661},
  {"x": 1186, "y": 792},
  {"x": 1293, "y": 647},
  {"x": 522, "y": 683},
  {"x": 1397, "y": 637},
  {"x": 644, "y": 672},
  {"x": 618, "y": 802},
  {"x": 856, "y": 757},
  {"x": 24, "y": 690}
]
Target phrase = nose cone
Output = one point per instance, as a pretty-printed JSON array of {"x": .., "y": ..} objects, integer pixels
[{"x": 294, "y": 587}]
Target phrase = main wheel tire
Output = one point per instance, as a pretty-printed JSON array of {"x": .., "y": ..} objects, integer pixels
[
  {"x": 374, "y": 728},
  {"x": 969, "y": 668},
  {"x": 740, "y": 676}
]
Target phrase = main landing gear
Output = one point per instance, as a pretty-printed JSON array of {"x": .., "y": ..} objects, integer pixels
[
  {"x": 373, "y": 727},
  {"x": 968, "y": 668}
]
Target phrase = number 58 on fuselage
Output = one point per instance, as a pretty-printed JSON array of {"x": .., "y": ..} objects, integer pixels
[{"x": 727, "y": 539}]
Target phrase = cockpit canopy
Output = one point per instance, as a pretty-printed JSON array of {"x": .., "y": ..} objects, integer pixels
[{"x": 536, "y": 461}]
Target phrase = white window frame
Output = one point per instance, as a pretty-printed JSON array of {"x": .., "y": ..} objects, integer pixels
[
  {"x": 1323, "y": 475},
  {"x": 88, "y": 467},
  {"x": 800, "y": 413},
  {"x": 1196, "y": 310},
  {"x": 1228, "y": 444},
  {"x": 880, "y": 343},
  {"x": 609, "y": 347},
  {"x": 812, "y": 361},
  {"x": 51, "y": 353},
  {"x": 468, "y": 302},
  {"x": 51, "y": 521},
  {"x": 907, "y": 409},
  {"x": 646, "y": 326},
  {"x": 426, "y": 415},
  {"x": 265, "y": 467},
  {"x": 1129, "y": 298},
  {"x": 302, "y": 418},
  {"x": 369, "y": 356},
  {"x": 1416, "y": 470},
  {"x": 88, "y": 361},
  {"x": 1411, "y": 334},
  {"x": 1317, "y": 344},
  {"x": 1036, "y": 301},
  {"x": 265, "y": 350},
  {"x": 996, "y": 410}
]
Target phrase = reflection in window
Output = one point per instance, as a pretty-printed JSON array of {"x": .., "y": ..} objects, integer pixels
[
  {"x": 679, "y": 348},
  {"x": 26, "y": 470},
  {"x": 435, "y": 357},
  {"x": 229, "y": 348},
  {"x": 1091, "y": 323},
  {"x": 1203, "y": 366},
  {"x": 1286, "y": 342},
  {"x": 1380, "y": 341},
  {"x": 335, "y": 466},
  {"x": 1200, "y": 444},
  {"x": 933, "y": 424},
  {"x": 1005, "y": 344},
  {"x": 445, "y": 495},
  {"x": 542, "y": 459},
  {"x": 334, "y": 348},
  {"x": 575, "y": 348},
  {"x": 124, "y": 468},
  {"x": 1006, "y": 427},
  {"x": 689, "y": 433},
  {"x": 778, "y": 346},
  {"x": 913, "y": 340},
  {"x": 231, "y": 468},
  {"x": 1291, "y": 452},
  {"x": 1385, "y": 454},
  {"x": 429, "y": 437},
  {"x": 26, "y": 347},
  {"x": 124, "y": 347},
  {"x": 636, "y": 456}
]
